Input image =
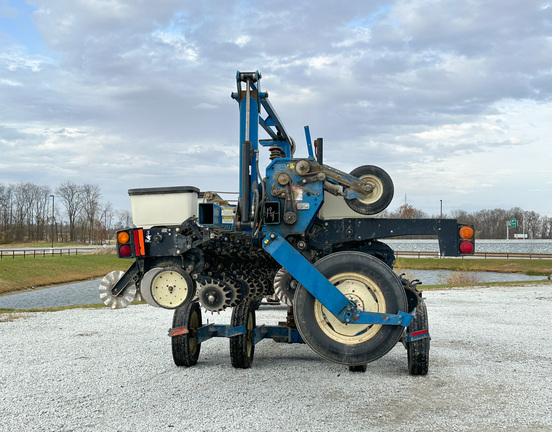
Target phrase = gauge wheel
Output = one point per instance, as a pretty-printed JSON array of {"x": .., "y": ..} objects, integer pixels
[
  {"x": 167, "y": 287},
  {"x": 373, "y": 287},
  {"x": 380, "y": 197},
  {"x": 242, "y": 348},
  {"x": 185, "y": 348},
  {"x": 418, "y": 350}
]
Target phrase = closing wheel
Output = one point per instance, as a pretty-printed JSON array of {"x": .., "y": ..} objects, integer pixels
[
  {"x": 241, "y": 346},
  {"x": 106, "y": 285},
  {"x": 373, "y": 287},
  {"x": 185, "y": 348},
  {"x": 418, "y": 350},
  {"x": 380, "y": 197}
]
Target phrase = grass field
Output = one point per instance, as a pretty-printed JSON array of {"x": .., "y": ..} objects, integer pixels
[{"x": 26, "y": 273}]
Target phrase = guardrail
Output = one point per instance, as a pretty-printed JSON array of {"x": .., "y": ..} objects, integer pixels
[
  {"x": 484, "y": 255},
  {"x": 38, "y": 253}
]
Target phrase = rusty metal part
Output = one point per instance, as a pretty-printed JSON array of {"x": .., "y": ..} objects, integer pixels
[
  {"x": 304, "y": 167},
  {"x": 214, "y": 197}
]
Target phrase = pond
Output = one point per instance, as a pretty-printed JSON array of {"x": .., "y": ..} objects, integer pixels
[{"x": 436, "y": 277}]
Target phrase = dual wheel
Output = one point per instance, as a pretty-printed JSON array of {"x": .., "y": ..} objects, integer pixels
[{"x": 185, "y": 348}]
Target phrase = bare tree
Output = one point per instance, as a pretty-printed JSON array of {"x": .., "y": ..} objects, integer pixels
[
  {"x": 91, "y": 206},
  {"x": 124, "y": 219},
  {"x": 532, "y": 224},
  {"x": 406, "y": 211},
  {"x": 5, "y": 212},
  {"x": 71, "y": 197},
  {"x": 107, "y": 215}
]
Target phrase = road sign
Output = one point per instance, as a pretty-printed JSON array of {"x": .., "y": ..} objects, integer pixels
[{"x": 513, "y": 223}]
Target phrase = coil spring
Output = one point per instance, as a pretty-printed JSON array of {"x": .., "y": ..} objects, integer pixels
[{"x": 276, "y": 152}]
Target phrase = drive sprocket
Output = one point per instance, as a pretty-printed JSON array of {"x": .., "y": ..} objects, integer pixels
[
  {"x": 235, "y": 295},
  {"x": 213, "y": 294},
  {"x": 248, "y": 285}
]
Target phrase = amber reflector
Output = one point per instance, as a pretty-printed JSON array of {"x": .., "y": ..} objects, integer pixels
[
  {"x": 123, "y": 237},
  {"x": 466, "y": 232}
]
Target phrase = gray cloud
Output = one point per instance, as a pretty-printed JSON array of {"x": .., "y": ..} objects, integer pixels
[{"x": 146, "y": 85}]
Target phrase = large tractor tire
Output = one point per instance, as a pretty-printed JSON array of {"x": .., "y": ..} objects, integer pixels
[
  {"x": 374, "y": 287},
  {"x": 380, "y": 197}
]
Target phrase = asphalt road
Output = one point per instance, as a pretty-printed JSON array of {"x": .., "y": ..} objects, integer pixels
[{"x": 112, "y": 370}]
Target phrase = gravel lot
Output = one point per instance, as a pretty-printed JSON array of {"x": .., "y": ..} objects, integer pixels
[{"x": 112, "y": 370}]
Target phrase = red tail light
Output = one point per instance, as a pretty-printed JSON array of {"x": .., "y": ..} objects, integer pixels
[{"x": 130, "y": 243}]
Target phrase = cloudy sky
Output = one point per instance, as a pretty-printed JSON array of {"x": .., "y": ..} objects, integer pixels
[{"x": 453, "y": 98}]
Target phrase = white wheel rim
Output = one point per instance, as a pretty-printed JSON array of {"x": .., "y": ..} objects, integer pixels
[
  {"x": 367, "y": 296},
  {"x": 169, "y": 289},
  {"x": 376, "y": 193}
]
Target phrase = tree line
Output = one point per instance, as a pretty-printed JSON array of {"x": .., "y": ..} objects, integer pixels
[
  {"x": 75, "y": 213},
  {"x": 70, "y": 213},
  {"x": 490, "y": 224}
]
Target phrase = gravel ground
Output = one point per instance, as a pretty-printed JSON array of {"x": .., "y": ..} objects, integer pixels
[{"x": 112, "y": 370}]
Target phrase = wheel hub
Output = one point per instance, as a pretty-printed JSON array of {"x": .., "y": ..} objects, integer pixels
[{"x": 366, "y": 296}]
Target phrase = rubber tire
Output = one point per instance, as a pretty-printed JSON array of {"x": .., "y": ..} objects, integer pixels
[
  {"x": 241, "y": 346},
  {"x": 362, "y": 352},
  {"x": 418, "y": 350},
  {"x": 185, "y": 349},
  {"x": 388, "y": 190}
]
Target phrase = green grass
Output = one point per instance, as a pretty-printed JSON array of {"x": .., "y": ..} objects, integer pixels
[{"x": 26, "y": 273}]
